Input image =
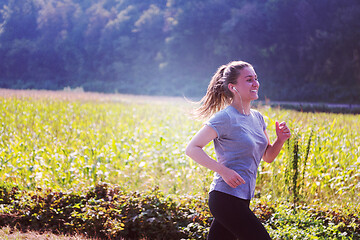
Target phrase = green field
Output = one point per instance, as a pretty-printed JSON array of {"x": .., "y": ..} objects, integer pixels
[{"x": 68, "y": 140}]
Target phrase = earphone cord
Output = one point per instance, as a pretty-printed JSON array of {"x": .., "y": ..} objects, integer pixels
[{"x": 242, "y": 107}]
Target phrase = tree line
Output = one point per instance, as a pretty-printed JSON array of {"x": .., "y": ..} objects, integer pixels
[{"x": 302, "y": 50}]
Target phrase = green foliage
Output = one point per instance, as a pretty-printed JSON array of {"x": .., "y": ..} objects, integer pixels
[
  {"x": 310, "y": 223},
  {"x": 108, "y": 212},
  {"x": 172, "y": 47},
  {"x": 61, "y": 145},
  {"x": 325, "y": 167},
  {"x": 294, "y": 175}
]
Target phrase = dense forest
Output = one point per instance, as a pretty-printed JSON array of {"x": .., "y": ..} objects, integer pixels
[{"x": 302, "y": 50}]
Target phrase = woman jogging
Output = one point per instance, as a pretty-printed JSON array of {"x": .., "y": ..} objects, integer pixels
[{"x": 240, "y": 141}]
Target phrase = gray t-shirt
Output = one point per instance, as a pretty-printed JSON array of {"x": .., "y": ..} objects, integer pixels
[{"x": 240, "y": 145}]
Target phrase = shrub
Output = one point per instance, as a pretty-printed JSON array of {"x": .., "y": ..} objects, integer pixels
[{"x": 108, "y": 212}]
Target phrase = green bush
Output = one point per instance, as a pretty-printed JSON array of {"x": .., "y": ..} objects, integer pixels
[
  {"x": 108, "y": 212},
  {"x": 306, "y": 222}
]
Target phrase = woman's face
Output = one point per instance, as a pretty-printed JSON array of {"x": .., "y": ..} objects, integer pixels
[{"x": 247, "y": 84}]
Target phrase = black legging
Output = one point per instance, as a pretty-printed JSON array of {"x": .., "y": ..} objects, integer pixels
[{"x": 233, "y": 219}]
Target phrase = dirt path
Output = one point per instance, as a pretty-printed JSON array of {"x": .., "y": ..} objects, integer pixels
[{"x": 6, "y": 233}]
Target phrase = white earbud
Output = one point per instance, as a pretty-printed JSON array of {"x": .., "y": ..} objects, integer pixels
[{"x": 235, "y": 89}]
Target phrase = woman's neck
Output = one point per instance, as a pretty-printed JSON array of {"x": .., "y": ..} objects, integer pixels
[{"x": 243, "y": 108}]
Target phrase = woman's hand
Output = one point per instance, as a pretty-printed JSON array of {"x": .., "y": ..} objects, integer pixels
[
  {"x": 232, "y": 178},
  {"x": 282, "y": 131}
]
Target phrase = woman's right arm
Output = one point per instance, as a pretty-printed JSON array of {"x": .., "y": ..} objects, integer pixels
[{"x": 195, "y": 151}]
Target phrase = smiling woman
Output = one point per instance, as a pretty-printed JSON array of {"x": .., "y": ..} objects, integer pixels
[{"x": 241, "y": 141}]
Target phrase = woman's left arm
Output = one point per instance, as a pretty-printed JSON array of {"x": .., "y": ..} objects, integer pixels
[{"x": 283, "y": 133}]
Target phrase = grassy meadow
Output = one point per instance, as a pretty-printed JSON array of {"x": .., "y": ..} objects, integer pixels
[{"x": 69, "y": 140}]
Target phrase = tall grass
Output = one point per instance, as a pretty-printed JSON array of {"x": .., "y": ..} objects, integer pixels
[
  {"x": 62, "y": 144},
  {"x": 321, "y": 159}
]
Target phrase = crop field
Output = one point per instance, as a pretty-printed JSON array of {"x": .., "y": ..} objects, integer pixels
[
  {"x": 69, "y": 140},
  {"x": 62, "y": 148}
]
